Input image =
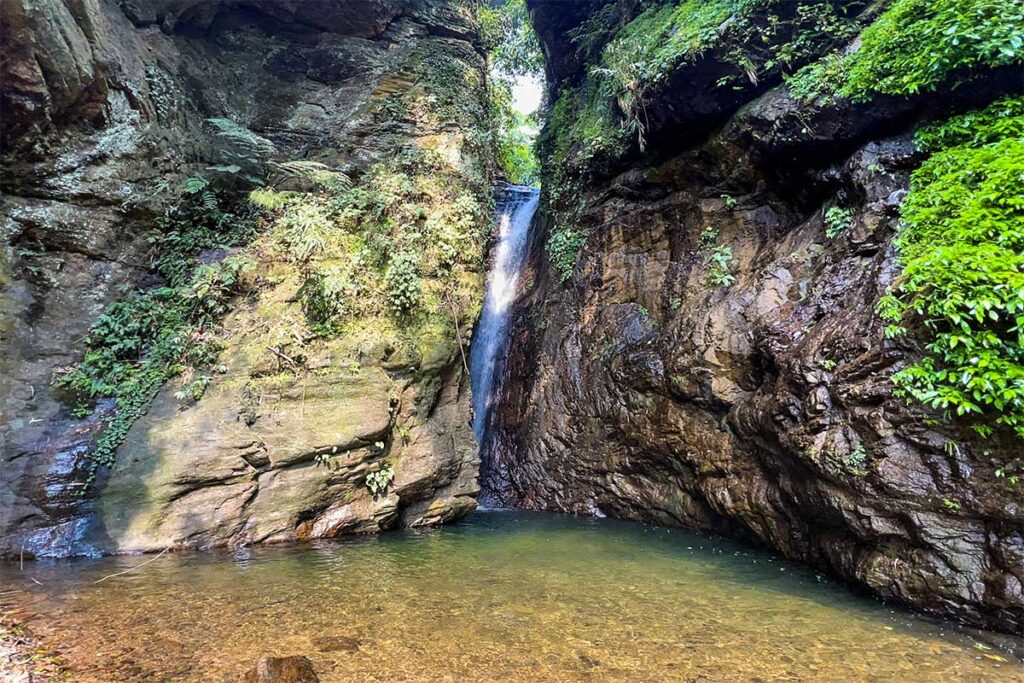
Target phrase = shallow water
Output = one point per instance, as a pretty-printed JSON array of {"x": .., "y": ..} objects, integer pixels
[{"x": 504, "y": 596}]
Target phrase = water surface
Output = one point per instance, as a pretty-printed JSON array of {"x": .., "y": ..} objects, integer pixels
[{"x": 504, "y": 596}]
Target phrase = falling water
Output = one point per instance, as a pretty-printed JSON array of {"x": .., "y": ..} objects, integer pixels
[{"x": 515, "y": 212}]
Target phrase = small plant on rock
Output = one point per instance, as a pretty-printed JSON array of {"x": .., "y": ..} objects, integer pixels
[
  {"x": 379, "y": 481},
  {"x": 837, "y": 221},
  {"x": 563, "y": 249},
  {"x": 403, "y": 282},
  {"x": 856, "y": 461},
  {"x": 718, "y": 266}
]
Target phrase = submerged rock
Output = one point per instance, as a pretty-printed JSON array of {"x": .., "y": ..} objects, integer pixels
[
  {"x": 337, "y": 644},
  {"x": 282, "y": 670}
]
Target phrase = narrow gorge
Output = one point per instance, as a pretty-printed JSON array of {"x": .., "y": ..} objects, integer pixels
[{"x": 325, "y": 358}]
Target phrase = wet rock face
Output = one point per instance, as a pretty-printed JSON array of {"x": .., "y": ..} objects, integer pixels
[
  {"x": 103, "y": 106},
  {"x": 641, "y": 389}
]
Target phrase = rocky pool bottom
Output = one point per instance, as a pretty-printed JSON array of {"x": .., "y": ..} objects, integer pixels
[{"x": 503, "y": 596}]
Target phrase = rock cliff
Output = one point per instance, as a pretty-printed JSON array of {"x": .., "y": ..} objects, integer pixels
[
  {"x": 107, "y": 109},
  {"x": 698, "y": 341}
]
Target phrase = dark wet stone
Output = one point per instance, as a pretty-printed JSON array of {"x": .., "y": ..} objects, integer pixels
[{"x": 337, "y": 644}]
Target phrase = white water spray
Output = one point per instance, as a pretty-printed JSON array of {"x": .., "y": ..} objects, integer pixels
[{"x": 490, "y": 342}]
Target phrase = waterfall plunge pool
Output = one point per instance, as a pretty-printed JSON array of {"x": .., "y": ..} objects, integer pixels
[{"x": 502, "y": 596}]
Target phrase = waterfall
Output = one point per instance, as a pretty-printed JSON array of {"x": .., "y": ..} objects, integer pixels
[{"x": 490, "y": 342}]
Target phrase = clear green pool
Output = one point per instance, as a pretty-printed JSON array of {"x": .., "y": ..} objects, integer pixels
[{"x": 504, "y": 596}]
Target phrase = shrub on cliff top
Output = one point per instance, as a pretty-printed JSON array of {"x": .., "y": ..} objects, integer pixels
[
  {"x": 917, "y": 46},
  {"x": 757, "y": 37},
  {"x": 961, "y": 245}
]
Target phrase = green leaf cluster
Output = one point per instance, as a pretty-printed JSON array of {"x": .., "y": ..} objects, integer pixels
[
  {"x": 719, "y": 258},
  {"x": 379, "y": 481},
  {"x": 837, "y": 221},
  {"x": 563, "y": 248},
  {"x": 961, "y": 245},
  {"x": 917, "y": 46},
  {"x": 508, "y": 36}
]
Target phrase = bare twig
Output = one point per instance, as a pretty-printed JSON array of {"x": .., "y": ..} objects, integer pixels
[
  {"x": 458, "y": 332},
  {"x": 131, "y": 569},
  {"x": 282, "y": 356}
]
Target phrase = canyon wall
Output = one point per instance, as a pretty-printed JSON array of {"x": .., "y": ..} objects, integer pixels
[
  {"x": 697, "y": 341},
  {"x": 106, "y": 110}
]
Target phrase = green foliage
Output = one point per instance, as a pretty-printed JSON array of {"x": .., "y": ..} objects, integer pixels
[
  {"x": 708, "y": 237},
  {"x": 593, "y": 124},
  {"x": 563, "y": 248},
  {"x": 1011, "y": 473},
  {"x": 508, "y": 36},
  {"x": 1002, "y": 119},
  {"x": 403, "y": 282},
  {"x": 856, "y": 461},
  {"x": 329, "y": 295},
  {"x": 837, "y": 221},
  {"x": 917, "y": 46},
  {"x": 599, "y": 28},
  {"x": 582, "y": 135},
  {"x": 379, "y": 481},
  {"x": 962, "y": 250},
  {"x": 393, "y": 244},
  {"x": 515, "y": 133},
  {"x": 303, "y": 229},
  {"x": 757, "y": 37},
  {"x": 719, "y": 258},
  {"x": 152, "y": 335}
]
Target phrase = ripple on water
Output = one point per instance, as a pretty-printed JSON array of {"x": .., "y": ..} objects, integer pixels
[{"x": 505, "y": 596}]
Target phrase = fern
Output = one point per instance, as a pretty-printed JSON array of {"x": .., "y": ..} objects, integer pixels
[
  {"x": 270, "y": 199},
  {"x": 242, "y": 137}
]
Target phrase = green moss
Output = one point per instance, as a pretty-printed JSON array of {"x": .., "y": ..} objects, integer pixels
[
  {"x": 917, "y": 46},
  {"x": 962, "y": 250},
  {"x": 394, "y": 260}
]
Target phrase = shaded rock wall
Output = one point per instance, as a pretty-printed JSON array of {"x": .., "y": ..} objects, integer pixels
[
  {"x": 637, "y": 389},
  {"x": 102, "y": 108}
]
